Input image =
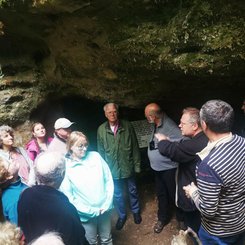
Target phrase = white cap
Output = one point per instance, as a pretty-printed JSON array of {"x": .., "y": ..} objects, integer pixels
[{"x": 62, "y": 123}]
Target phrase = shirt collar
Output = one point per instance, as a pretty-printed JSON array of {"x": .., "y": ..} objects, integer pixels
[{"x": 211, "y": 145}]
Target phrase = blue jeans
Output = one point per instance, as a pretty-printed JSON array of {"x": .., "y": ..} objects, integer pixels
[
  {"x": 119, "y": 201},
  {"x": 101, "y": 226},
  {"x": 208, "y": 239}
]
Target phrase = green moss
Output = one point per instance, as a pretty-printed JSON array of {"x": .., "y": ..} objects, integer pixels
[{"x": 196, "y": 37}]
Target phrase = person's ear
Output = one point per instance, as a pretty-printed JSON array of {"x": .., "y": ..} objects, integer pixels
[
  {"x": 195, "y": 126},
  {"x": 204, "y": 125}
]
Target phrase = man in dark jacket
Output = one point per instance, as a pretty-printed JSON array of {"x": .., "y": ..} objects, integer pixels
[
  {"x": 117, "y": 144},
  {"x": 42, "y": 208},
  {"x": 184, "y": 152}
]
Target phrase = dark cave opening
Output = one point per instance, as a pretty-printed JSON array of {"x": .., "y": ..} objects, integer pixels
[{"x": 87, "y": 115}]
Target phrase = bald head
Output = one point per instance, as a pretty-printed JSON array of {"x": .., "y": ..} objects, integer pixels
[
  {"x": 50, "y": 169},
  {"x": 153, "y": 113}
]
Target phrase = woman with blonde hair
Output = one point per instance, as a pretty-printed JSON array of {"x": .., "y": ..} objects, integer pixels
[
  {"x": 89, "y": 186},
  {"x": 39, "y": 142},
  {"x": 10, "y": 234}
]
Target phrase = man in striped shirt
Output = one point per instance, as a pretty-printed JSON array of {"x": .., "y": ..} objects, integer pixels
[{"x": 220, "y": 190}]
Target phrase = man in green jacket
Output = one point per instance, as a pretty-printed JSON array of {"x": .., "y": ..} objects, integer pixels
[{"x": 117, "y": 144}]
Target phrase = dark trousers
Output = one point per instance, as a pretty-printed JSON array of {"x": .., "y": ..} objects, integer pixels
[
  {"x": 165, "y": 190},
  {"x": 193, "y": 220}
]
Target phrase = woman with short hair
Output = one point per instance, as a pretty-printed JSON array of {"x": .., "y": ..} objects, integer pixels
[{"x": 16, "y": 154}]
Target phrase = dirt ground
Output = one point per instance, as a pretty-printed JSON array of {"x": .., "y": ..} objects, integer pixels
[{"x": 143, "y": 234}]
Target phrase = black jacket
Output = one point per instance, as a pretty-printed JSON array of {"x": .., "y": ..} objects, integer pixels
[
  {"x": 184, "y": 152},
  {"x": 42, "y": 209}
]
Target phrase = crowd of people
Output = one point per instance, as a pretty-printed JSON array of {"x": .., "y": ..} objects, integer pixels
[{"x": 56, "y": 191}]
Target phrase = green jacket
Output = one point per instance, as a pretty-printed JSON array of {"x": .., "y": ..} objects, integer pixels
[{"x": 120, "y": 152}]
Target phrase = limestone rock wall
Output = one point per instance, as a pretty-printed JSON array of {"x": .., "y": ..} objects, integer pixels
[{"x": 131, "y": 52}]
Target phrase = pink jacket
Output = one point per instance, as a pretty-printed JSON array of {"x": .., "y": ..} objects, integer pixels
[{"x": 33, "y": 149}]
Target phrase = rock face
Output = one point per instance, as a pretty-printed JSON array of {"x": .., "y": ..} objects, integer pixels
[{"x": 131, "y": 52}]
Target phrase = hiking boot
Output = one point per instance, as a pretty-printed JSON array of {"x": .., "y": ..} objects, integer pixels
[
  {"x": 137, "y": 218},
  {"x": 158, "y": 227},
  {"x": 120, "y": 223}
]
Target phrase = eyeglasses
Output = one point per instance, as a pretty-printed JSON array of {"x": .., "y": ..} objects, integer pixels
[
  {"x": 185, "y": 123},
  {"x": 82, "y": 147},
  {"x": 181, "y": 123}
]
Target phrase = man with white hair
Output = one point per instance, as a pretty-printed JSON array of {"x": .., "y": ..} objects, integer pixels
[
  {"x": 43, "y": 208},
  {"x": 118, "y": 145},
  {"x": 51, "y": 238},
  {"x": 62, "y": 127}
]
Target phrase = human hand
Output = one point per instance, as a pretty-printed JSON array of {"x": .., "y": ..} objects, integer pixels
[
  {"x": 189, "y": 189},
  {"x": 161, "y": 137}
]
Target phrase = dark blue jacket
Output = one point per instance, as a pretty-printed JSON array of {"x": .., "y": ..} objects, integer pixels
[{"x": 43, "y": 208}]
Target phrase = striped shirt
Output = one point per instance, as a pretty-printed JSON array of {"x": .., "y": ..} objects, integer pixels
[{"x": 221, "y": 189}]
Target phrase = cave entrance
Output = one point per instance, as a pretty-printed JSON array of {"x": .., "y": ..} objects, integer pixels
[{"x": 87, "y": 115}]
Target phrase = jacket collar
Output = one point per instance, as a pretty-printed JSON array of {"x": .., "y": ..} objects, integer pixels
[{"x": 120, "y": 127}]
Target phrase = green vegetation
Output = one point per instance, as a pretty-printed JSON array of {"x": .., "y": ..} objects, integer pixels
[{"x": 194, "y": 36}]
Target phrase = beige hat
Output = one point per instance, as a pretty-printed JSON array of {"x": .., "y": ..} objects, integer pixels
[{"x": 62, "y": 123}]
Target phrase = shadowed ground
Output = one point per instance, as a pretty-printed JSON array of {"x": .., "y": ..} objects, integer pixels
[{"x": 143, "y": 234}]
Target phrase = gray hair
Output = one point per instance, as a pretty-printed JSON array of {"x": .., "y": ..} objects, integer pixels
[
  {"x": 194, "y": 114},
  {"x": 110, "y": 104},
  {"x": 5, "y": 129},
  {"x": 51, "y": 238},
  {"x": 50, "y": 169},
  {"x": 218, "y": 116}
]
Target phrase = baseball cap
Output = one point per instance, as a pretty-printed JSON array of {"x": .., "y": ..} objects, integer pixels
[{"x": 62, "y": 123}]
